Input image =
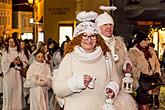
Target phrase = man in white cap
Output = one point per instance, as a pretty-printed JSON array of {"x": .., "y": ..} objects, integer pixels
[{"x": 115, "y": 43}]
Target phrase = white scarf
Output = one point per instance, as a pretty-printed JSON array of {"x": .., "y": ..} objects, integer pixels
[
  {"x": 80, "y": 53},
  {"x": 111, "y": 43},
  {"x": 41, "y": 65},
  {"x": 12, "y": 48}
]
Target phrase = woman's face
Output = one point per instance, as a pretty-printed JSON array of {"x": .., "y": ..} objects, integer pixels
[
  {"x": 46, "y": 49},
  {"x": 22, "y": 45},
  {"x": 39, "y": 58},
  {"x": 33, "y": 48},
  {"x": 12, "y": 43},
  {"x": 145, "y": 43},
  {"x": 88, "y": 42},
  {"x": 106, "y": 30},
  {"x": 51, "y": 46}
]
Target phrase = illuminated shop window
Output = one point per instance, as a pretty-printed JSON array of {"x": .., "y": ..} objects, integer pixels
[
  {"x": 155, "y": 40},
  {"x": 26, "y": 36},
  {"x": 65, "y": 31},
  {"x": 41, "y": 36},
  {"x": 159, "y": 41}
]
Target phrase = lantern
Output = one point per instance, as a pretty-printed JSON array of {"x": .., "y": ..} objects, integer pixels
[{"x": 127, "y": 82}]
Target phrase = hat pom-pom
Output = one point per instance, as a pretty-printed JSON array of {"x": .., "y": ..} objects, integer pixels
[
  {"x": 86, "y": 16},
  {"x": 108, "y": 8}
]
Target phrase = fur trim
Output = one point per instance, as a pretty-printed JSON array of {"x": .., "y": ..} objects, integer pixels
[{"x": 120, "y": 42}]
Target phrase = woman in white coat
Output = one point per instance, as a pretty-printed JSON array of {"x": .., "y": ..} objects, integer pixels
[
  {"x": 38, "y": 79},
  {"x": 12, "y": 61},
  {"x": 86, "y": 69}
]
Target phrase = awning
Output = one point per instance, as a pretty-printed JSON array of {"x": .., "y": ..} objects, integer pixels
[{"x": 156, "y": 15}]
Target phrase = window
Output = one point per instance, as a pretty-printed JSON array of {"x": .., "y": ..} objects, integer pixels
[
  {"x": 65, "y": 31},
  {"x": 25, "y": 21},
  {"x": 8, "y": 20},
  {"x": 3, "y": 20},
  {"x": 0, "y": 20}
]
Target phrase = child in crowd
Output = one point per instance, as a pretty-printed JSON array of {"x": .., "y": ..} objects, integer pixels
[{"x": 38, "y": 79}]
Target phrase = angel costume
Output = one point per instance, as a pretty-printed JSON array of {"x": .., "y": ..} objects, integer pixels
[{"x": 38, "y": 75}]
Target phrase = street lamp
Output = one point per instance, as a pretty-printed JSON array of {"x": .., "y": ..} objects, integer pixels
[
  {"x": 35, "y": 27},
  {"x": 30, "y": 2}
]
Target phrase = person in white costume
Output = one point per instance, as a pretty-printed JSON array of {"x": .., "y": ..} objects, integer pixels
[
  {"x": 13, "y": 59},
  {"x": 118, "y": 49},
  {"x": 87, "y": 67},
  {"x": 38, "y": 79}
]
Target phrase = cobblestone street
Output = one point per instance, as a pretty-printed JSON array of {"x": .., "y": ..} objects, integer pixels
[{"x": 162, "y": 101}]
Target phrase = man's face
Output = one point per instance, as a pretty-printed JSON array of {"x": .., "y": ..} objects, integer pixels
[{"x": 106, "y": 30}]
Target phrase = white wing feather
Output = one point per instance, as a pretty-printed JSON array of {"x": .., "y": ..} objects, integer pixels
[
  {"x": 108, "y": 8},
  {"x": 86, "y": 16}
]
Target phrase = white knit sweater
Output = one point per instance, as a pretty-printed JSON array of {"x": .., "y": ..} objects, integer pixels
[{"x": 80, "y": 63}]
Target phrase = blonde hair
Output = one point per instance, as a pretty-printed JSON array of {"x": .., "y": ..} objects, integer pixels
[{"x": 69, "y": 47}]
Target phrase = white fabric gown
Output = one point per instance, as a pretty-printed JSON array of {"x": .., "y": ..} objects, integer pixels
[
  {"x": 12, "y": 80},
  {"x": 38, "y": 93}
]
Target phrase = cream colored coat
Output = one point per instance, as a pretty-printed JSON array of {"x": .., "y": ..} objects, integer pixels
[
  {"x": 121, "y": 51},
  {"x": 140, "y": 64},
  {"x": 87, "y": 99},
  {"x": 12, "y": 81}
]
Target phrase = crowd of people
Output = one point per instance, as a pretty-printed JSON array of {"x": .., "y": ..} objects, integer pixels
[{"x": 85, "y": 73}]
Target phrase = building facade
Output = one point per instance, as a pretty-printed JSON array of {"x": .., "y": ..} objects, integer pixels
[
  {"x": 22, "y": 27},
  {"x": 56, "y": 18},
  {"x": 5, "y": 18},
  {"x": 59, "y": 16},
  {"x": 144, "y": 15}
]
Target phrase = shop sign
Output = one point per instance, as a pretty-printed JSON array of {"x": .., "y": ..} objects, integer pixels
[{"x": 148, "y": 23}]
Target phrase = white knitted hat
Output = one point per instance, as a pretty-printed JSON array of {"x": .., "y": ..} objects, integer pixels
[
  {"x": 105, "y": 18},
  {"x": 86, "y": 25}
]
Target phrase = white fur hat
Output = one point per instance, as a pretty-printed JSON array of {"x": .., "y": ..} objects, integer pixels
[
  {"x": 105, "y": 18},
  {"x": 86, "y": 25},
  {"x": 114, "y": 86}
]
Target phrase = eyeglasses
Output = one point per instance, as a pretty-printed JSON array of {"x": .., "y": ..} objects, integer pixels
[{"x": 85, "y": 37}]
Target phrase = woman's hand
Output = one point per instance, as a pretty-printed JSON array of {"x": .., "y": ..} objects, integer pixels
[
  {"x": 87, "y": 80},
  {"x": 128, "y": 68},
  {"x": 17, "y": 61}
]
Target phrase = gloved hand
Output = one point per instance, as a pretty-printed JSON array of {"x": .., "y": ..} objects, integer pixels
[
  {"x": 76, "y": 83},
  {"x": 127, "y": 67}
]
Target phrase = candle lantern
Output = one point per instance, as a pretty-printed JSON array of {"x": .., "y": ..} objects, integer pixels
[{"x": 127, "y": 82}]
